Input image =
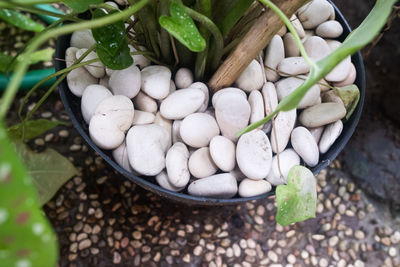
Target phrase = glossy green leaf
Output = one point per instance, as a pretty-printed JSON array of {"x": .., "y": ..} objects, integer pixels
[
  {"x": 26, "y": 237},
  {"x": 357, "y": 39},
  {"x": 112, "y": 47},
  {"x": 31, "y": 129},
  {"x": 182, "y": 27},
  {"x": 49, "y": 170},
  {"x": 19, "y": 20},
  {"x": 80, "y": 6},
  {"x": 296, "y": 201},
  {"x": 350, "y": 96}
]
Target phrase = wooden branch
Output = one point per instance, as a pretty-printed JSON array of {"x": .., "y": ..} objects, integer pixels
[{"x": 259, "y": 35}]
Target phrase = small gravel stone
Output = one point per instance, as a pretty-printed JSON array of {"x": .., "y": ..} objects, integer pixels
[
  {"x": 272, "y": 256},
  {"x": 291, "y": 259},
  {"x": 359, "y": 234},
  {"x": 63, "y": 133},
  {"x": 236, "y": 250},
  {"x": 359, "y": 263},
  {"x": 333, "y": 241},
  {"x": 395, "y": 238},
  {"x": 318, "y": 237},
  {"x": 116, "y": 258},
  {"x": 198, "y": 250},
  {"x": 85, "y": 244},
  {"x": 323, "y": 262},
  {"x": 392, "y": 252}
]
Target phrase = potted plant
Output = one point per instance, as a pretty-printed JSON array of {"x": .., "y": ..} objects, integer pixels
[{"x": 166, "y": 35}]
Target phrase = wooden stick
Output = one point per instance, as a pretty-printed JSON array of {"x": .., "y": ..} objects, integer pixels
[{"x": 259, "y": 35}]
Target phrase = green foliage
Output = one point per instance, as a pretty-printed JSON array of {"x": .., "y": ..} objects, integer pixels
[
  {"x": 80, "y": 6},
  {"x": 49, "y": 170},
  {"x": 30, "y": 129},
  {"x": 112, "y": 47},
  {"x": 233, "y": 16},
  {"x": 7, "y": 63},
  {"x": 350, "y": 96},
  {"x": 360, "y": 37},
  {"x": 19, "y": 20},
  {"x": 182, "y": 27},
  {"x": 26, "y": 238},
  {"x": 297, "y": 200}
]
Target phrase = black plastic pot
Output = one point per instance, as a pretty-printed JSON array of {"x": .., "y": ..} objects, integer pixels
[{"x": 72, "y": 106}]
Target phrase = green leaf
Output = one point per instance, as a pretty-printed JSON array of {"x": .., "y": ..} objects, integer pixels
[
  {"x": 357, "y": 39},
  {"x": 31, "y": 129},
  {"x": 233, "y": 16},
  {"x": 7, "y": 64},
  {"x": 49, "y": 170},
  {"x": 5, "y": 60},
  {"x": 80, "y": 6},
  {"x": 350, "y": 96},
  {"x": 112, "y": 47},
  {"x": 297, "y": 200},
  {"x": 182, "y": 27},
  {"x": 26, "y": 237},
  {"x": 19, "y": 20}
]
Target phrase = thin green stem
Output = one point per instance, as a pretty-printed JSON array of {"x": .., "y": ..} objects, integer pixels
[
  {"x": 32, "y": 2},
  {"x": 219, "y": 40},
  {"x": 290, "y": 27},
  {"x": 22, "y": 66}
]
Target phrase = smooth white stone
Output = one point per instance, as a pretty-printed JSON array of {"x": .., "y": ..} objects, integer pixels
[
  {"x": 143, "y": 117},
  {"x": 70, "y": 56},
  {"x": 182, "y": 103},
  {"x": 226, "y": 90},
  {"x": 286, "y": 86},
  {"x": 251, "y": 78},
  {"x": 120, "y": 155},
  {"x": 274, "y": 54},
  {"x": 198, "y": 129},
  {"x": 287, "y": 159},
  {"x": 292, "y": 66},
  {"x": 139, "y": 60},
  {"x": 270, "y": 97},
  {"x": 176, "y": 135},
  {"x": 146, "y": 146},
  {"x": 314, "y": 13},
  {"x": 78, "y": 79},
  {"x": 96, "y": 69},
  {"x": 251, "y": 188},
  {"x": 297, "y": 26},
  {"x": 176, "y": 163},
  {"x": 291, "y": 49},
  {"x": 166, "y": 124},
  {"x": 111, "y": 3},
  {"x": 317, "y": 133},
  {"x": 119, "y": 109},
  {"x": 222, "y": 185},
  {"x": 322, "y": 114},
  {"x": 156, "y": 81},
  {"x": 340, "y": 72},
  {"x": 201, "y": 164},
  {"x": 223, "y": 153},
  {"x": 126, "y": 82},
  {"x": 91, "y": 97},
  {"x": 305, "y": 146},
  {"x": 284, "y": 123},
  {"x": 331, "y": 133},
  {"x": 183, "y": 78},
  {"x": 256, "y": 102},
  {"x": 105, "y": 133},
  {"x": 329, "y": 29},
  {"x": 82, "y": 39},
  {"x": 316, "y": 47},
  {"x": 144, "y": 102},
  {"x": 350, "y": 79},
  {"x": 233, "y": 113},
  {"x": 254, "y": 154},
  {"x": 163, "y": 181},
  {"x": 203, "y": 87}
]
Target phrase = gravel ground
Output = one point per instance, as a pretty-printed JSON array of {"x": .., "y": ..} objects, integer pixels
[{"x": 102, "y": 219}]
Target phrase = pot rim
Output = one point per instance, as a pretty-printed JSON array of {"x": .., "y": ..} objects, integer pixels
[{"x": 72, "y": 103}]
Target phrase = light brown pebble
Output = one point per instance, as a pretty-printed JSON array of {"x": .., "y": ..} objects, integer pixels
[
  {"x": 359, "y": 234},
  {"x": 63, "y": 133},
  {"x": 85, "y": 244},
  {"x": 197, "y": 250}
]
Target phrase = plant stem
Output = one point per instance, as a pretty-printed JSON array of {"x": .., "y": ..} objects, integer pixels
[
  {"x": 290, "y": 27},
  {"x": 22, "y": 66},
  {"x": 219, "y": 40}
]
